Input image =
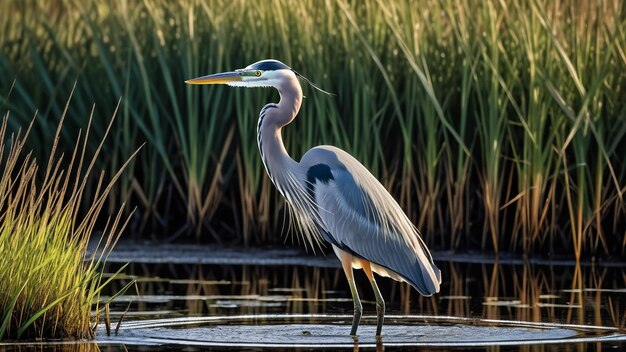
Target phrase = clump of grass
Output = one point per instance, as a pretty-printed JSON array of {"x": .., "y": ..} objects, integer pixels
[{"x": 47, "y": 285}]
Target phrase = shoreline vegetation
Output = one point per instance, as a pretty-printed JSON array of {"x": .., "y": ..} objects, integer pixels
[
  {"x": 49, "y": 289},
  {"x": 499, "y": 126}
]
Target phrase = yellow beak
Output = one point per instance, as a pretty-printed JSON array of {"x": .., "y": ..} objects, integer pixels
[{"x": 218, "y": 78}]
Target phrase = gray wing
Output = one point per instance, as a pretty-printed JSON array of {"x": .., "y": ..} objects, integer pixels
[{"x": 359, "y": 216}]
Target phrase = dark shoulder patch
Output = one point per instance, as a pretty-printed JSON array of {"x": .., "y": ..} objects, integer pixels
[
  {"x": 269, "y": 65},
  {"x": 319, "y": 172}
]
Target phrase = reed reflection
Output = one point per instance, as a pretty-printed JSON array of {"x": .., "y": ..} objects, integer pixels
[
  {"x": 578, "y": 295},
  {"x": 61, "y": 347}
]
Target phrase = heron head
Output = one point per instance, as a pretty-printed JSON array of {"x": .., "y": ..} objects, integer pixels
[{"x": 264, "y": 73}]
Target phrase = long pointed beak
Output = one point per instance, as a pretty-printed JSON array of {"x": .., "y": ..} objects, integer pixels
[{"x": 218, "y": 78}]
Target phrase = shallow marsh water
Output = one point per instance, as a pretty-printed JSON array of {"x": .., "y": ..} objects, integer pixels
[{"x": 271, "y": 297}]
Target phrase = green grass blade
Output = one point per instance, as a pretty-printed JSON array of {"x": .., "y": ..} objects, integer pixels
[{"x": 9, "y": 311}]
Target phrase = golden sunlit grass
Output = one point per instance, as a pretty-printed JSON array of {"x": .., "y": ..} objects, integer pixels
[{"x": 47, "y": 285}]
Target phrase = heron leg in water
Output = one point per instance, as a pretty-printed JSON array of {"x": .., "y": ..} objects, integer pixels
[
  {"x": 346, "y": 263},
  {"x": 380, "y": 302}
]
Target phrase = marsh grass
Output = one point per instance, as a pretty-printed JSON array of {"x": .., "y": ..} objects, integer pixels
[
  {"x": 498, "y": 126},
  {"x": 48, "y": 287}
]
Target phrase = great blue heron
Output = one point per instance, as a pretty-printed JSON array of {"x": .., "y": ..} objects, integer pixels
[{"x": 333, "y": 197}]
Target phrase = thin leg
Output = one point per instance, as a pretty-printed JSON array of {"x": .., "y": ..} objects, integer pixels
[
  {"x": 346, "y": 263},
  {"x": 380, "y": 302}
]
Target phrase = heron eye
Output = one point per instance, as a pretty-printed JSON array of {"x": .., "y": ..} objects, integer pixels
[{"x": 257, "y": 73}]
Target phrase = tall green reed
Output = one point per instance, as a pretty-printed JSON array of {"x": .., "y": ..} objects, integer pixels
[{"x": 496, "y": 125}]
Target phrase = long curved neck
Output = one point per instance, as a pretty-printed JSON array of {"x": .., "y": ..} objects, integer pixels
[{"x": 271, "y": 120}]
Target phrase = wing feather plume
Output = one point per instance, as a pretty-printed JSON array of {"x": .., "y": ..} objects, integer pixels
[{"x": 357, "y": 214}]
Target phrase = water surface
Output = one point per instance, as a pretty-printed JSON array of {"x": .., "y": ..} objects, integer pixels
[
  {"x": 576, "y": 295},
  {"x": 276, "y": 296}
]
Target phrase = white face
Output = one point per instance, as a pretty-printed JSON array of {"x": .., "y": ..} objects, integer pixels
[{"x": 259, "y": 78}]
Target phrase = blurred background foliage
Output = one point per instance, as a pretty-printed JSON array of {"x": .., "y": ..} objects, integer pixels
[{"x": 498, "y": 126}]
